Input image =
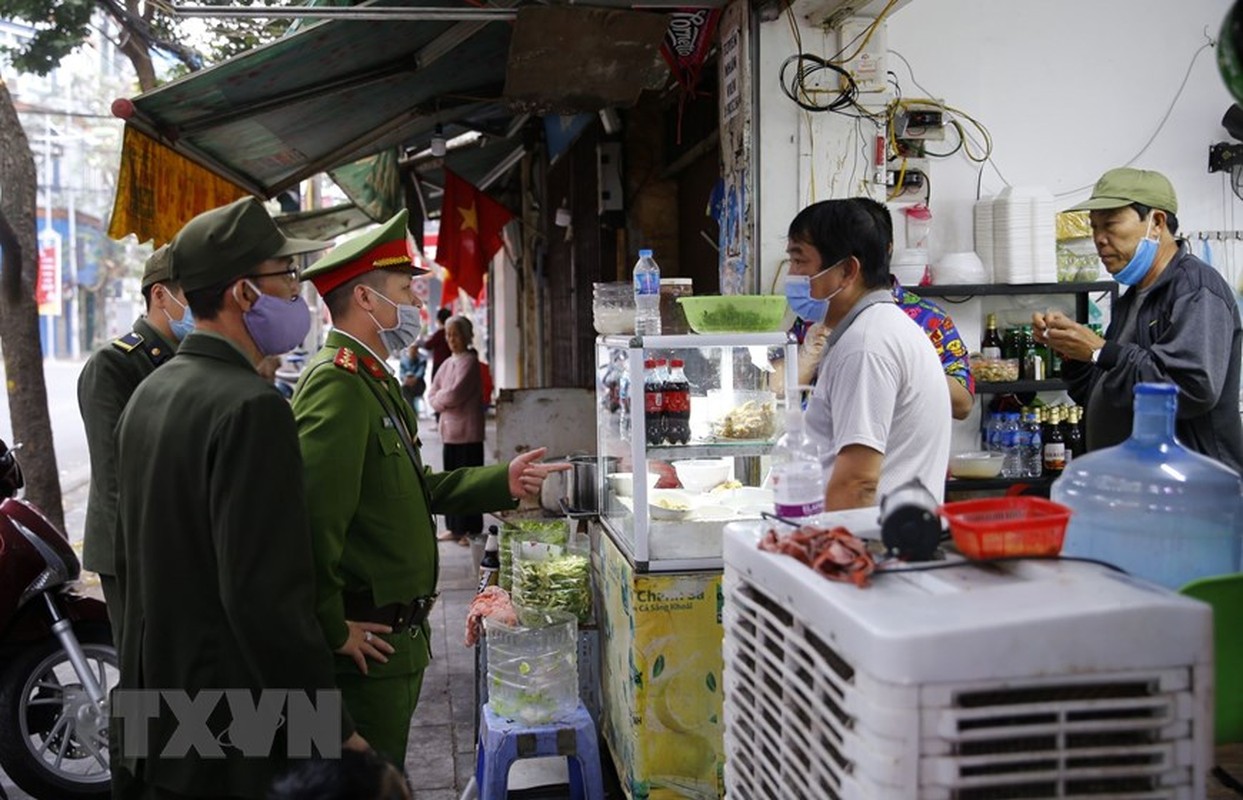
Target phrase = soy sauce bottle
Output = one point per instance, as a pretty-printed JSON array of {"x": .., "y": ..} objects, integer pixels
[
  {"x": 677, "y": 396},
  {"x": 653, "y": 404},
  {"x": 1054, "y": 460},
  {"x": 1073, "y": 431}
]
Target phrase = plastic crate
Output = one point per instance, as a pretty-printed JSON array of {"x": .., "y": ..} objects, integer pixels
[{"x": 999, "y": 527}]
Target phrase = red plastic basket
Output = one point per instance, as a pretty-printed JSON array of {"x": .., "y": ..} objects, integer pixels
[{"x": 998, "y": 527}]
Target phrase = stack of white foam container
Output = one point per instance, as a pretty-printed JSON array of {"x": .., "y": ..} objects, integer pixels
[
  {"x": 983, "y": 216},
  {"x": 1024, "y": 236}
]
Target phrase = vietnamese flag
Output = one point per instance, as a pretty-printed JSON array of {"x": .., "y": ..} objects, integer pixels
[{"x": 470, "y": 234}]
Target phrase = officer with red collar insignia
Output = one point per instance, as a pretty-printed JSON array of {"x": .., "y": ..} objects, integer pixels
[{"x": 371, "y": 499}]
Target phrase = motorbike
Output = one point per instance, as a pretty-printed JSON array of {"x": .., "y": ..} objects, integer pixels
[{"x": 57, "y": 659}]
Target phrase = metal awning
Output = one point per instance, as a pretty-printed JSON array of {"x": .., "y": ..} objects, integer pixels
[
  {"x": 331, "y": 94},
  {"x": 356, "y": 96},
  {"x": 324, "y": 224}
]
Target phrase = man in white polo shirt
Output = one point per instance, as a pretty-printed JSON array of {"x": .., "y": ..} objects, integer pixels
[{"x": 879, "y": 413}]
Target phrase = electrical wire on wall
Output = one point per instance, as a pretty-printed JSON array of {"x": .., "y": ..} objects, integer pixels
[
  {"x": 987, "y": 146},
  {"x": 798, "y": 70}
]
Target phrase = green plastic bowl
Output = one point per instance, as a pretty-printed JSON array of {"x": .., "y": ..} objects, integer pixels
[{"x": 735, "y": 313}]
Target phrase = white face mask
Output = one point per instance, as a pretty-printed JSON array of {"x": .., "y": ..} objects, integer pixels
[{"x": 405, "y": 332}]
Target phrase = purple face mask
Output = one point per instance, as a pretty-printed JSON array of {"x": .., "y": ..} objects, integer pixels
[{"x": 276, "y": 325}]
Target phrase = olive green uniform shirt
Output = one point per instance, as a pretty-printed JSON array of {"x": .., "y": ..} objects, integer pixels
[
  {"x": 213, "y": 556},
  {"x": 108, "y": 379},
  {"x": 370, "y": 505}
]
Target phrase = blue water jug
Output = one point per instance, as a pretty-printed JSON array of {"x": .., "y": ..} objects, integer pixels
[{"x": 1150, "y": 505}]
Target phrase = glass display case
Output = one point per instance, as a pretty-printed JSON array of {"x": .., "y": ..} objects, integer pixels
[{"x": 682, "y": 423}]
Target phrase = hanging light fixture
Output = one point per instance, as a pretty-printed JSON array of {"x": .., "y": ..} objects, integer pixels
[{"x": 438, "y": 142}]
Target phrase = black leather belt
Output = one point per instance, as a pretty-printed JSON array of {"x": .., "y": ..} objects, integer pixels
[{"x": 399, "y": 616}]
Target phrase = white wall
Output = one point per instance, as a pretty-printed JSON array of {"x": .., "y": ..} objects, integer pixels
[{"x": 1069, "y": 89}]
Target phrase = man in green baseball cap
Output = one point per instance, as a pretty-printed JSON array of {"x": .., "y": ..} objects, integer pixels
[
  {"x": 213, "y": 541},
  {"x": 1177, "y": 323}
]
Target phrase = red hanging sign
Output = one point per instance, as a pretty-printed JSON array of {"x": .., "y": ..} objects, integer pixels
[{"x": 685, "y": 47}]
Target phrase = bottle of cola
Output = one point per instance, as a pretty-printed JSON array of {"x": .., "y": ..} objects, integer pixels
[
  {"x": 653, "y": 404},
  {"x": 677, "y": 396}
]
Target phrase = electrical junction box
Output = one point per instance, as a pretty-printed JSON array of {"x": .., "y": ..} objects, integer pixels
[
  {"x": 919, "y": 123},
  {"x": 868, "y": 66}
]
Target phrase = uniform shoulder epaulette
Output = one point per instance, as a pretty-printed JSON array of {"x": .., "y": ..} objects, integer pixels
[
  {"x": 346, "y": 360},
  {"x": 372, "y": 366},
  {"x": 128, "y": 342}
]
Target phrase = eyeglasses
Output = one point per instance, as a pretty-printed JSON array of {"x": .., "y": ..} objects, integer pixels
[{"x": 292, "y": 275}]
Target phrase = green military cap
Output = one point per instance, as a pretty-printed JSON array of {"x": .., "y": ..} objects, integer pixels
[
  {"x": 383, "y": 247},
  {"x": 1122, "y": 186},
  {"x": 158, "y": 267},
  {"x": 228, "y": 242}
]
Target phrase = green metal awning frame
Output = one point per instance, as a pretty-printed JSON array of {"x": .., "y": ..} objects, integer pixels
[{"x": 332, "y": 94}]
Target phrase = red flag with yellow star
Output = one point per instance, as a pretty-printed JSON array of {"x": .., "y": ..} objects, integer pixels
[{"x": 470, "y": 234}]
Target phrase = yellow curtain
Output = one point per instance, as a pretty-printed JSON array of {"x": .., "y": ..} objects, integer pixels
[{"x": 159, "y": 190}]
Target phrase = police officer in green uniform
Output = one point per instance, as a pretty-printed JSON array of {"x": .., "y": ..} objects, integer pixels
[
  {"x": 371, "y": 499},
  {"x": 108, "y": 379},
  {"x": 213, "y": 551}
]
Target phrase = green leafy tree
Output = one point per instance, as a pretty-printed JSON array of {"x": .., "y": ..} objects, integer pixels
[{"x": 62, "y": 26}]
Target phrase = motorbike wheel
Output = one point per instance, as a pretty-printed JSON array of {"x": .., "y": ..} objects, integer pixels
[{"x": 53, "y": 740}]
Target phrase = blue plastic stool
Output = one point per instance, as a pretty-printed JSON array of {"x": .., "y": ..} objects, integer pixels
[{"x": 503, "y": 741}]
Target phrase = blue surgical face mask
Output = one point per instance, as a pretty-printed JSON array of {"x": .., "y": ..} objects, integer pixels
[
  {"x": 180, "y": 327},
  {"x": 1141, "y": 262},
  {"x": 798, "y": 295},
  {"x": 405, "y": 332}
]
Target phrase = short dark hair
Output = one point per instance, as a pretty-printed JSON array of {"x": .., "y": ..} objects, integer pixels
[
  {"x": 442, "y": 316},
  {"x": 207, "y": 302},
  {"x": 354, "y": 776},
  {"x": 146, "y": 290},
  {"x": 338, "y": 300},
  {"x": 880, "y": 213},
  {"x": 842, "y": 228},
  {"x": 1171, "y": 219}
]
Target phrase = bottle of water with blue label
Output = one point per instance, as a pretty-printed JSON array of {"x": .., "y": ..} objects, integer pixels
[
  {"x": 646, "y": 295},
  {"x": 1012, "y": 465}
]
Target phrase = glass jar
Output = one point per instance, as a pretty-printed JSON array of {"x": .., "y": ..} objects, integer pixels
[
  {"x": 612, "y": 307},
  {"x": 672, "y": 317}
]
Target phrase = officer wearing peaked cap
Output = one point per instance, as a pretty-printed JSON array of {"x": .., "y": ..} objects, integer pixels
[
  {"x": 213, "y": 551},
  {"x": 108, "y": 379},
  {"x": 371, "y": 499}
]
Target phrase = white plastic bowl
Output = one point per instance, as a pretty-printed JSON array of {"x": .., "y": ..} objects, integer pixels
[
  {"x": 963, "y": 267},
  {"x": 701, "y": 474},
  {"x": 982, "y": 464},
  {"x": 669, "y": 505},
  {"x": 622, "y": 483}
]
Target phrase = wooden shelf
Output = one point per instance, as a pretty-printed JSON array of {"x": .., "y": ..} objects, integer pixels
[
  {"x": 980, "y": 289},
  {"x": 1019, "y": 387},
  {"x": 1041, "y": 484}
]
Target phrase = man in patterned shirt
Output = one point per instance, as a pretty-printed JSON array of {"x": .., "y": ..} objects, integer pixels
[{"x": 948, "y": 343}]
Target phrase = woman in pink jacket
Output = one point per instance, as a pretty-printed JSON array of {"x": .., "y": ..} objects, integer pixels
[{"x": 456, "y": 394}]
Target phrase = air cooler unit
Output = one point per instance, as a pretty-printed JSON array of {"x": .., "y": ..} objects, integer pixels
[{"x": 1030, "y": 679}]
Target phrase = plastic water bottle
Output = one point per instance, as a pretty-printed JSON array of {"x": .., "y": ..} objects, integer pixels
[
  {"x": 1150, "y": 505},
  {"x": 992, "y": 431},
  {"x": 1012, "y": 466},
  {"x": 646, "y": 295},
  {"x": 1031, "y": 444},
  {"x": 797, "y": 477}
]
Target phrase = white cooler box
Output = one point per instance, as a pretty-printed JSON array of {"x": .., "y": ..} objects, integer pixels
[{"x": 1028, "y": 679}]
